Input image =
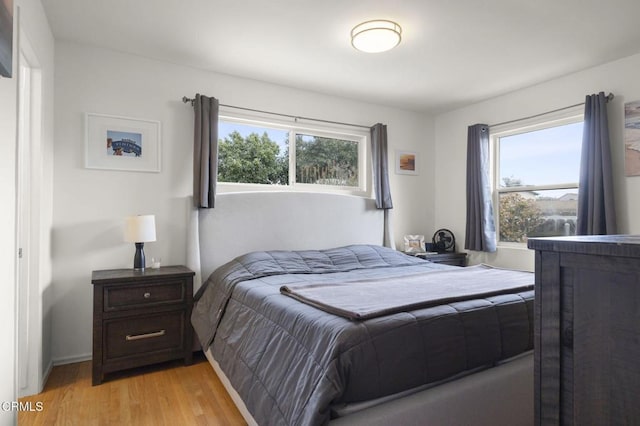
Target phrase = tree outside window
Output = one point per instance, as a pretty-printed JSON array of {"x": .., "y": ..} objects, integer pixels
[
  {"x": 537, "y": 170},
  {"x": 260, "y": 155}
]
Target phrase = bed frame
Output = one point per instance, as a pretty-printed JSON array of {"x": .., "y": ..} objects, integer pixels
[
  {"x": 243, "y": 222},
  {"x": 250, "y": 221}
]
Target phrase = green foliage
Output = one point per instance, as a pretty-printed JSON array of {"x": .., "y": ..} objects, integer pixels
[
  {"x": 519, "y": 217},
  {"x": 254, "y": 159},
  {"x": 257, "y": 159},
  {"x": 326, "y": 161}
]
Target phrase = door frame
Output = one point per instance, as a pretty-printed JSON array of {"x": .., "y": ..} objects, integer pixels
[{"x": 29, "y": 368}]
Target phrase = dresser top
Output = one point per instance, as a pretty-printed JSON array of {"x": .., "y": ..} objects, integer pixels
[
  {"x": 110, "y": 275},
  {"x": 603, "y": 245}
]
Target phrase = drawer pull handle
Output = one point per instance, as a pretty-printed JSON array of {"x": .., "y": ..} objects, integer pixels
[
  {"x": 145, "y": 336},
  {"x": 147, "y": 295}
]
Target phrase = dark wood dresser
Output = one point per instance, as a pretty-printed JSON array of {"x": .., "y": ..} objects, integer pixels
[
  {"x": 587, "y": 330},
  {"x": 140, "y": 318}
]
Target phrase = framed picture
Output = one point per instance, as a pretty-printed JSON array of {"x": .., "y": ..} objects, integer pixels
[
  {"x": 406, "y": 163},
  {"x": 414, "y": 244},
  {"x": 6, "y": 38},
  {"x": 121, "y": 143},
  {"x": 632, "y": 138}
]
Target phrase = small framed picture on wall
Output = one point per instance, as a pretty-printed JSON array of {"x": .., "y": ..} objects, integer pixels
[
  {"x": 6, "y": 38},
  {"x": 632, "y": 138},
  {"x": 122, "y": 143},
  {"x": 406, "y": 163}
]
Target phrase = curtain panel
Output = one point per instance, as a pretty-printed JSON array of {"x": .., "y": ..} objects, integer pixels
[
  {"x": 596, "y": 207},
  {"x": 480, "y": 229},
  {"x": 380, "y": 170},
  {"x": 380, "y": 166},
  {"x": 205, "y": 151}
]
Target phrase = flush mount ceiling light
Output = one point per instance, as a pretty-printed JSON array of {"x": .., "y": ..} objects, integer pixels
[{"x": 376, "y": 36}]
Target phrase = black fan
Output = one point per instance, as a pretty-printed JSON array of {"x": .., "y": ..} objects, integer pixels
[{"x": 443, "y": 241}]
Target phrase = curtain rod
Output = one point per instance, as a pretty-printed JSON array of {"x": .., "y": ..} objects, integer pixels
[
  {"x": 295, "y": 117},
  {"x": 608, "y": 98}
]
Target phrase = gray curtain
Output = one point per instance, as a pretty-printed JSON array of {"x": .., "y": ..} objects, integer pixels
[
  {"x": 596, "y": 207},
  {"x": 380, "y": 163},
  {"x": 205, "y": 151},
  {"x": 380, "y": 167},
  {"x": 481, "y": 231}
]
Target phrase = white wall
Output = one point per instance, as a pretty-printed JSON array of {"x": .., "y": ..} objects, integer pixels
[
  {"x": 619, "y": 77},
  {"x": 89, "y": 205}
]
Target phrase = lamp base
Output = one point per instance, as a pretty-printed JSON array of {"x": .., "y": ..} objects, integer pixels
[{"x": 138, "y": 260}]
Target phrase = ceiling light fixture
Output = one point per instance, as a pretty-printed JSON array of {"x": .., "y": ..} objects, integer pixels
[{"x": 376, "y": 36}]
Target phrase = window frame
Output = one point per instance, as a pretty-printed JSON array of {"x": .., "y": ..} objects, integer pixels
[
  {"x": 359, "y": 135},
  {"x": 566, "y": 116}
]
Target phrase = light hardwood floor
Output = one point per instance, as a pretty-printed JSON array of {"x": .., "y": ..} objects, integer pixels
[{"x": 165, "y": 394}]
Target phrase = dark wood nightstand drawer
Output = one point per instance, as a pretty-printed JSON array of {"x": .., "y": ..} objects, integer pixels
[
  {"x": 144, "y": 335},
  {"x": 453, "y": 259},
  {"x": 137, "y": 296}
]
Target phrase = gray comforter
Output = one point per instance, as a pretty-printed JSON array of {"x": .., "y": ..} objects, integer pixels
[{"x": 290, "y": 362}]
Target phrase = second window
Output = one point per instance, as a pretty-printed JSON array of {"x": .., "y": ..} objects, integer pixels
[{"x": 536, "y": 179}]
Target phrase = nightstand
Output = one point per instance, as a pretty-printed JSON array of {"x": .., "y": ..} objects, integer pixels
[
  {"x": 454, "y": 259},
  {"x": 140, "y": 318}
]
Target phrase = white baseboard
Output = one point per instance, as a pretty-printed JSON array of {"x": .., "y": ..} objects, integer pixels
[
  {"x": 45, "y": 376},
  {"x": 39, "y": 386},
  {"x": 72, "y": 359}
]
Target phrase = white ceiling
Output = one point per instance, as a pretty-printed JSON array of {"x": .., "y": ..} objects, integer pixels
[{"x": 453, "y": 52}]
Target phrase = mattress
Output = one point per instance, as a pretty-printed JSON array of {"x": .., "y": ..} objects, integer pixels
[{"x": 291, "y": 362}]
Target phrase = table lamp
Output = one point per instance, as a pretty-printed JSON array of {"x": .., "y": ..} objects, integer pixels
[{"x": 139, "y": 230}]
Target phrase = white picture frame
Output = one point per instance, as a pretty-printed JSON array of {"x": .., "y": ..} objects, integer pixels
[
  {"x": 406, "y": 163},
  {"x": 122, "y": 143},
  {"x": 414, "y": 244}
]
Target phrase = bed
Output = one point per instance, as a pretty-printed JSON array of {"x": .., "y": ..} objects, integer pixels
[{"x": 289, "y": 356}]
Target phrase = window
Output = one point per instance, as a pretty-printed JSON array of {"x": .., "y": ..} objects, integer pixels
[
  {"x": 253, "y": 152},
  {"x": 536, "y": 179},
  {"x": 326, "y": 161}
]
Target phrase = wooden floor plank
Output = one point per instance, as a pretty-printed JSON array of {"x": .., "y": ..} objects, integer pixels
[{"x": 165, "y": 394}]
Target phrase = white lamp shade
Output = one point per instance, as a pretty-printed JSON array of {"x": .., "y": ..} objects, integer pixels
[
  {"x": 140, "y": 229},
  {"x": 376, "y": 36}
]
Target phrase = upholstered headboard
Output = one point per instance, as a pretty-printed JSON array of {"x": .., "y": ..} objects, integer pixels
[{"x": 249, "y": 221}]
